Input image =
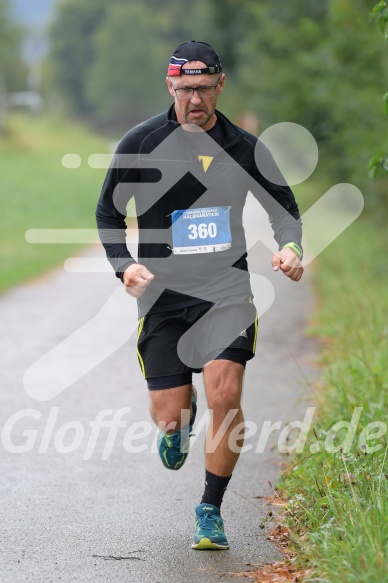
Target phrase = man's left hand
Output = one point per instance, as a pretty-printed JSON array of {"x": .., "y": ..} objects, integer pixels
[{"x": 287, "y": 261}]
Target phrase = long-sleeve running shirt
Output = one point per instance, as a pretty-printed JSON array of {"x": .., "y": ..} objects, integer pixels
[{"x": 189, "y": 190}]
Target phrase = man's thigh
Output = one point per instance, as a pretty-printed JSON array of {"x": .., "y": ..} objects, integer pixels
[
  {"x": 172, "y": 345},
  {"x": 158, "y": 337},
  {"x": 229, "y": 326}
]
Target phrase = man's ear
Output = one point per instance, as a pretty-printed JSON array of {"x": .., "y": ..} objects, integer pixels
[
  {"x": 169, "y": 86},
  {"x": 220, "y": 86}
]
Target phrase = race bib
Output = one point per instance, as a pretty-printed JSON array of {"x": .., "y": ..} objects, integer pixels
[{"x": 203, "y": 230}]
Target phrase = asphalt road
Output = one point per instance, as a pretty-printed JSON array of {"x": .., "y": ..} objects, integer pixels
[{"x": 126, "y": 518}]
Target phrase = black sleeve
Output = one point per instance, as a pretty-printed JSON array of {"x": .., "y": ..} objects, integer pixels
[
  {"x": 111, "y": 212},
  {"x": 277, "y": 199}
]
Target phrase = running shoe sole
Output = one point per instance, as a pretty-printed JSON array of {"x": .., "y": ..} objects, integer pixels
[{"x": 205, "y": 544}]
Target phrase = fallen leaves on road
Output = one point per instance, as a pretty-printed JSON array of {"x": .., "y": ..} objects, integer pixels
[
  {"x": 279, "y": 572},
  {"x": 283, "y": 571}
]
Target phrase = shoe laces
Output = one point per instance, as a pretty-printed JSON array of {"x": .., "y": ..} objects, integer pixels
[
  {"x": 208, "y": 521},
  {"x": 175, "y": 440}
]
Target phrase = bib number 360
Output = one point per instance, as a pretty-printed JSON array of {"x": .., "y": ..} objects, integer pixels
[{"x": 202, "y": 231}]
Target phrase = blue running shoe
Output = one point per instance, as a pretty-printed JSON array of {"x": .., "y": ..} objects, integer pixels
[
  {"x": 173, "y": 448},
  {"x": 209, "y": 529}
]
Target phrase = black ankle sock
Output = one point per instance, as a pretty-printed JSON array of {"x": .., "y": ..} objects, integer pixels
[{"x": 215, "y": 487}]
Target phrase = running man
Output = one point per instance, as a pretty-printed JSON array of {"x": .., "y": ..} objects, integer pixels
[{"x": 189, "y": 171}]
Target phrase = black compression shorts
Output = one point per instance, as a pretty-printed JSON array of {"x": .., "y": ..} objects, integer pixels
[{"x": 174, "y": 344}]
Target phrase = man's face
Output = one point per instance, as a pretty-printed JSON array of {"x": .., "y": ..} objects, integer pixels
[{"x": 198, "y": 109}]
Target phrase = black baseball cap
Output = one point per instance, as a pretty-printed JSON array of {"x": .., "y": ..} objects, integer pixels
[{"x": 194, "y": 51}]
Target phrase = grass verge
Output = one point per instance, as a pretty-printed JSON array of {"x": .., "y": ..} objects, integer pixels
[
  {"x": 337, "y": 490},
  {"x": 38, "y": 192}
]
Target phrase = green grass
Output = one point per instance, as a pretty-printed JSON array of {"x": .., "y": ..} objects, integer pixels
[
  {"x": 338, "y": 508},
  {"x": 38, "y": 192}
]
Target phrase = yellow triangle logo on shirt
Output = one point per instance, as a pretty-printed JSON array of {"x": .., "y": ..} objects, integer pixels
[{"x": 206, "y": 161}]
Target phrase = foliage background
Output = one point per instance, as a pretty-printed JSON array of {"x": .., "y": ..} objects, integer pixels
[{"x": 319, "y": 64}]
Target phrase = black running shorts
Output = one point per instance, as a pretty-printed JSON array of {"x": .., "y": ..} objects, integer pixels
[{"x": 174, "y": 344}]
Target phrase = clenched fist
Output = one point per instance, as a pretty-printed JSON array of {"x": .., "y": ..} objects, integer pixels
[
  {"x": 287, "y": 261},
  {"x": 136, "y": 279}
]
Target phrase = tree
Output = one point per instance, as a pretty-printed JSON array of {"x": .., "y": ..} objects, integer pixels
[
  {"x": 314, "y": 63},
  {"x": 12, "y": 70},
  {"x": 108, "y": 61},
  {"x": 380, "y": 11},
  {"x": 126, "y": 79},
  {"x": 73, "y": 52}
]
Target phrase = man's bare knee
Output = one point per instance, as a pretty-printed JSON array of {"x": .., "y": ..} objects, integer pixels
[
  {"x": 170, "y": 408},
  {"x": 223, "y": 381}
]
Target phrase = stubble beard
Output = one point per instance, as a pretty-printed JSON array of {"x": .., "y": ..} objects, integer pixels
[{"x": 199, "y": 122}]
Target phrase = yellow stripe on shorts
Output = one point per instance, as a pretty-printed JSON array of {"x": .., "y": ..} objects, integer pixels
[
  {"x": 139, "y": 330},
  {"x": 256, "y": 329}
]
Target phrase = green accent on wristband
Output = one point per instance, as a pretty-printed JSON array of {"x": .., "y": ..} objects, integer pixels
[{"x": 298, "y": 250}]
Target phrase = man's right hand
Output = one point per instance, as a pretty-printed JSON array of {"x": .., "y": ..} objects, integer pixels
[{"x": 136, "y": 279}]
